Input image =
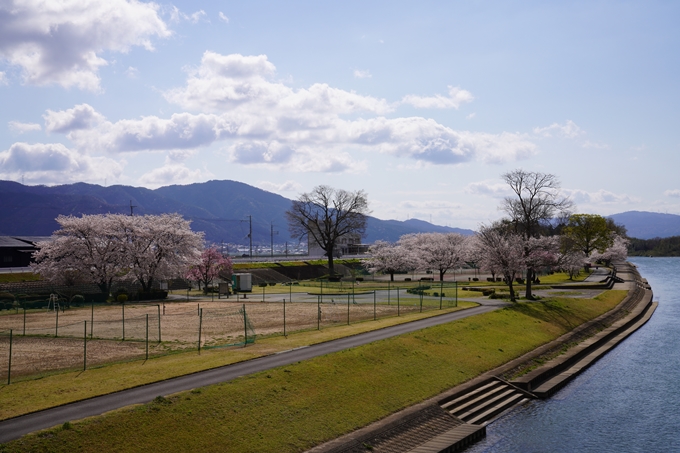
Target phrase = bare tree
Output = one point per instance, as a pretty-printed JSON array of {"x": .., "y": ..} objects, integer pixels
[
  {"x": 325, "y": 215},
  {"x": 537, "y": 200}
]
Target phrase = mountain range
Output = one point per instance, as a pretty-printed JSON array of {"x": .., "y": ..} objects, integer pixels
[{"x": 223, "y": 210}]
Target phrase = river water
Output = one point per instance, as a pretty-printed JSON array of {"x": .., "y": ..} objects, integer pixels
[{"x": 629, "y": 401}]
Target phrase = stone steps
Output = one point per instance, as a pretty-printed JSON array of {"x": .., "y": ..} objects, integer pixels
[{"x": 487, "y": 402}]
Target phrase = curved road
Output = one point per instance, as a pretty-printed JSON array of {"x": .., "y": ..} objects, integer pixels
[{"x": 16, "y": 427}]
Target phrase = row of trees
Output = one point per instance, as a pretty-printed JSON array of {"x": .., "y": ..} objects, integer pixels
[
  {"x": 538, "y": 233},
  {"x": 104, "y": 249}
]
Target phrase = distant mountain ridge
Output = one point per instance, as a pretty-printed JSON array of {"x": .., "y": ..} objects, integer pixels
[
  {"x": 648, "y": 225},
  {"x": 218, "y": 208}
]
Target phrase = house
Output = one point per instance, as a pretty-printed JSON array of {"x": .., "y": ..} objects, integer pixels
[
  {"x": 348, "y": 244},
  {"x": 17, "y": 251}
]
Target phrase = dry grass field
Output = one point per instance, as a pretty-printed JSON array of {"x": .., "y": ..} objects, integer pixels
[{"x": 47, "y": 340}]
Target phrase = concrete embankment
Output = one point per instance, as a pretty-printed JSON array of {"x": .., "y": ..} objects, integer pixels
[{"x": 457, "y": 418}]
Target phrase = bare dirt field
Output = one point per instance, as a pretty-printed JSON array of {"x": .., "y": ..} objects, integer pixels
[{"x": 46, "y": 340}]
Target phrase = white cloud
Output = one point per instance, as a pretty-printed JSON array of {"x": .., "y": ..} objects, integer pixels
[
  {"x": 594, "y": 145},
  {"x": 172, "y": 173},
  {"x": 21, "y": 128},
  {"x": 131, "y": 72},
  {"x": 62, "y": 42},
  {"x": 600, "y": 197},
  {"x": 196, "y": 16},
  {"x": 181, "y": 155},
  {"x": 454, "y": 100},
  {"x": 675, "y": 193},
  {"x": 471, "y": 115},
  {"x": 226, "y": 82},
  {"x": 3, "y": 78},
  {"x": 81, "y": 116},
  {"x": 47, "y": 162},
  {"x": 567, "y": 130},
  {"x": 288, "y": 186},
  {"x": 223, "y": 17},
  {"x": 490, "y": 188},
  {"x": 429, "y": 205},
  {"x": 268, "y": 123},
  {"x": 361, "y": 74}
]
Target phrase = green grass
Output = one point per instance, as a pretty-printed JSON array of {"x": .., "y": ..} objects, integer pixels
[
  {"x": 293, "y": 408},
  {"x": 19, "y": 277}
]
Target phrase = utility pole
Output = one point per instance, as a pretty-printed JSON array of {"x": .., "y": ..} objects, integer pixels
[
  {"x": 272, "y": 237},
  {"x": 131, "y": 209},
  {"x": 250, "y": 233}
]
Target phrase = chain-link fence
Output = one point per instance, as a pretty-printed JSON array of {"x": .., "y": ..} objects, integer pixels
[{"x": 35, "y": 341}]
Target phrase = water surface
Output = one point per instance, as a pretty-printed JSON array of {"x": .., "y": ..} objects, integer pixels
[{"x": 629, "y": 401}]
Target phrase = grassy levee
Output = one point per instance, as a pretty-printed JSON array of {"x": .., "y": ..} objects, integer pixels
[{"x": 292, "y": 408}]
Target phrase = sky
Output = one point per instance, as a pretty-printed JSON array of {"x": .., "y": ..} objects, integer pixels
[{"x": 423, "y": 105}]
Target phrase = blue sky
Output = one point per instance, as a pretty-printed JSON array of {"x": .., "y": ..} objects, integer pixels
[{"x": 421, "y": 104}]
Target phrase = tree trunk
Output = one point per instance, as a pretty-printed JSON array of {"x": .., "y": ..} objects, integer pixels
[
  {"x": 331, "y": 267},
  {"x": 530, "y": 278},
  {"x": 391, "y": 276},
  {"x": 509, "y": 279},
  {"x": 441, "y": 275}
]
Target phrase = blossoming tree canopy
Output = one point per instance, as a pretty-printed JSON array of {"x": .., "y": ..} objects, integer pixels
[
  {"x": 210, "y": 266},
  {"x": 105, "y": 248}
]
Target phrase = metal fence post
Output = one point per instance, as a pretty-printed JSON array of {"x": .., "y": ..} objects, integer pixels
[
  {"x": 200, "y": 326},
  {"x": 159, "y": 320},
  {"x": 85, "y": 347},
  {"x": 348, "y": 307},
  {"x": 92, "y": 319},
  {"x": 24, "y": 321},
  {"x": 9, "y": 365},
  {"x": 374, "y": 304},
  {"x": 245, "y": 326},
  {"x": 318, "y": 313},
  {"x": 56, "y": 325},
  {"x": 147, "y": 336},
  {"x": 284, "y": 317},
  {"x": 123, "y": 305},
  {"x": 441, "y": 295}
]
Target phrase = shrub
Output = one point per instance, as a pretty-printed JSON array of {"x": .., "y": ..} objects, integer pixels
[
  {"x": 272, "y": 284},
  {"x": 361, "y": 279},
  {"x": 262, "y": 285},
  {"x": 407, "y": 279},
  {"x": 418, "y": 289},
  {"x": 78, "y": 300},
  {"x": 122, "y": 298},
  {"x": 475, "y": 279},
  {"x": 153, "y": 294}
]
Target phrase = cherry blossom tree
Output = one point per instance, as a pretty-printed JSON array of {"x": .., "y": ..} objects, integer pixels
[
  {"x": 210, "y": 266},
  {"x": 440, "y": 251},
  {"x": 90, "y": 246},
  {"x": 389, "y": 258},
  {"x": 106, "y": 248},
  {"x": 618, "y": 251},
  {"x": 159, "y": 247},
  {"x": 498, "y": 248}
]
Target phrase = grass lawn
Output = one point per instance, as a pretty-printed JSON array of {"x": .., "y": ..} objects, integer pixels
[{"x": 292, "y": 408}]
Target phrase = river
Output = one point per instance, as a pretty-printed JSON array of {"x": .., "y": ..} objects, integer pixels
[{"x": 629, "y": 401}]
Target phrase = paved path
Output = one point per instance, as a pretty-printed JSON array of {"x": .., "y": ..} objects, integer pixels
[{"x": 17, "y": 427}]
